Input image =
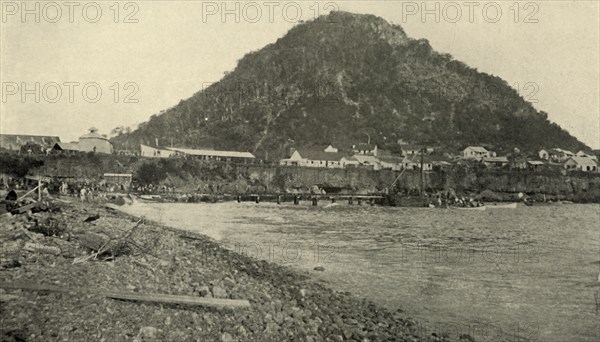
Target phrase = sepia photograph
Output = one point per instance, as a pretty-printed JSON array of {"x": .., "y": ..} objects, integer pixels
[{"x": 312, "y": 171}]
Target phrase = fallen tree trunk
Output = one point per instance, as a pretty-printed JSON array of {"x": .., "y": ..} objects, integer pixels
[{"x": 140, "y": 297}]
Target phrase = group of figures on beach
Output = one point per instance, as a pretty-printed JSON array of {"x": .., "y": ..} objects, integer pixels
[{"x": 86, "y": 191}]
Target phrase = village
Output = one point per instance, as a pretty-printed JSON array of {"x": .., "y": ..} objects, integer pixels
[{"x": 362, "y": 155}]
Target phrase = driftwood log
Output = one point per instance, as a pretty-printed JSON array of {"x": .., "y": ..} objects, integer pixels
[
  {"x": 43, "y": 249},
  {"x": 134, "y": 296}
]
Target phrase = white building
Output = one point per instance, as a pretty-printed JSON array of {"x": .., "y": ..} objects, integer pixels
[
  {"x": 585, "y": 155},
  {"x": 202, "y": 154},
  {"x": 315, "y": 158},
  {"x": 368, "y": 160},
  {"x": 581, "y": 164},
  {"x": 415, "y": 164},
  {"x": 365, "y": 149},
  {"x": 90, "y": 142},
  {"x": 477, "y": 153},
  {"x": 156, "y": 152}
]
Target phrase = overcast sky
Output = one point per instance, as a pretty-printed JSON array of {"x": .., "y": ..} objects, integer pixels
[{"x": 159, "y": 52}]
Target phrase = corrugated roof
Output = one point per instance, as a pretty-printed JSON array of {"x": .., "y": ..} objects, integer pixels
[{"x": 212, "y": 153}]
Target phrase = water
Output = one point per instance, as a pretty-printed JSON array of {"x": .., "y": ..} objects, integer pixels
[{"x": 530, "y": 273}]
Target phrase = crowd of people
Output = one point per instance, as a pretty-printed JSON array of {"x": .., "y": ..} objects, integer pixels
[
  {"x": 442, "y": 199},
  {"x": 84, "y": 190}
]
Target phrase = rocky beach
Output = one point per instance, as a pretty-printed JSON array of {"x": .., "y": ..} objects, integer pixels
[{"x": 87, "y": 249}]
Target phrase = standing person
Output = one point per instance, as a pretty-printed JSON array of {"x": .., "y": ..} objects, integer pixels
[
  {"x": 90, "y": 194},
  {"x": 82, "y": 194},
  {"x": 45, "y": 192}
]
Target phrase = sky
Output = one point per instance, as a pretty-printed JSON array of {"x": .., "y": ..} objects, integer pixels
[{"x": 68, "y": 66}]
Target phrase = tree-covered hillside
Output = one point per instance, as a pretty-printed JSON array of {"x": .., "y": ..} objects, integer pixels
[{"x": 342, "y": 78}]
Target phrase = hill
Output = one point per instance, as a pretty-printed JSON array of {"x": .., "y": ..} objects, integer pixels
[{"x": 343, "y": 77}]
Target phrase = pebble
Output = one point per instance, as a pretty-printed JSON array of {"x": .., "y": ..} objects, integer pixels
[
  {"x": 226, "y": 337},
  {"x": 147, "y": 333},
  {"x": 203, "y": 291},
  {"x": 319, "y": 268},
  {"x": 279, "y": 317},
  {"x": 219, "y": 292},
  {"x": 228, "y": 282}
]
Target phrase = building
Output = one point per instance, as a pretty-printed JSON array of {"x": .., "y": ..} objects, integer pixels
[
  {"x": 415, "y": 163},
  {"x": 441, "y": 165},
  {"x": 368, "y": 161},
  {"x": 555, "y": 155},
  {"x": 209, "y": 154},
  {"x": 495, "y": 161},
  {"x": 331, "y": 149},
  {"x": 155, "y": 152},
  {"x": 548, "y": 154},
  {"x": 391, "y": 163},
  {"x": 32, "y": 148},
  {"x": 349, "y": 162},
  {"x": 315, "y": 158},
  {"x": 95, "y": 142},
  {"x": 586, "y": 155},
  {"x": 13, "y": 142},
  {"x": 412, "y": 150},
  {"x": 581, "y": 164},
  {"x": 365, "y": 149},
  {"x": 202, "y": 154},
  {"x": 477, "y": 153},
  {"x": 66, "y": 147},
  {"x": 534, "y": 165},
  {"x": 90, "y": 142},
  {"x": 565, "y": 152}
]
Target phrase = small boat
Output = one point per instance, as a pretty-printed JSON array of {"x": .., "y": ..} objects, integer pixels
[
  {"x": 151, "y": 198},
  {"x": 469, "y": 208},
  {"x": 538, "y": 204},
  {"x": 502, "y": 205}
]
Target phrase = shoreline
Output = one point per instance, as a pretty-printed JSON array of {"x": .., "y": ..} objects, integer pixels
[{"x": 284, "y": 304}]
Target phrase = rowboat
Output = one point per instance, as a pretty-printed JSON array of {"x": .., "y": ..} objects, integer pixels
[
  {"x": 150, "y": 198},
  {"x": 469, "y": 208},
  {"x": 502, "y": 206}
]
